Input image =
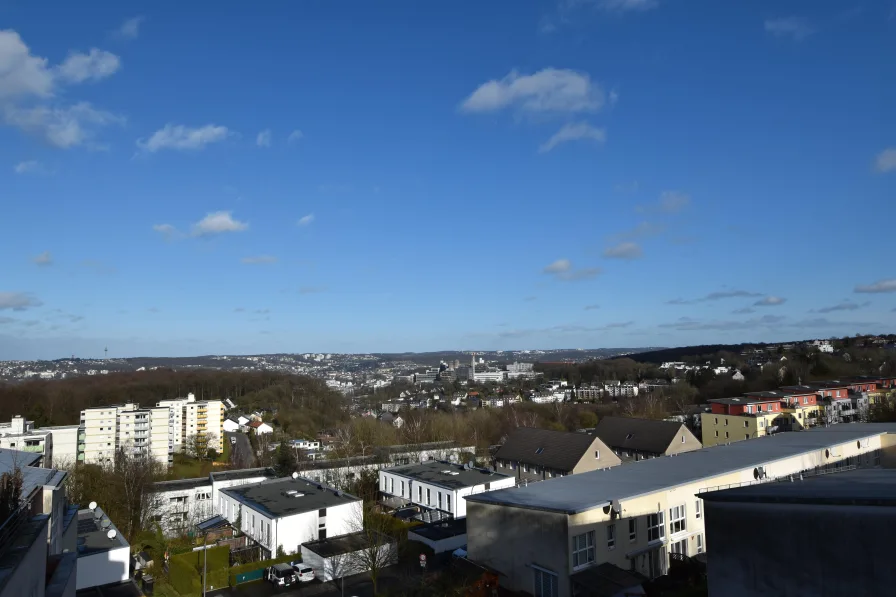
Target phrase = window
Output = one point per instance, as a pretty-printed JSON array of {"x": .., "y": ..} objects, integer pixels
[
  {"x": 583, "y": 549},
  {"x": 440, "y": 499},
  {"x": 698, "y": 509},
  {"x": 761, "y": 424},
  {"x": 539, "y": 450},
  {"x": 545, "y": 583},
  {"x": 805, "y": 400},
  {"x": 680, "y": 547},
  {"x": 611, "y": 536},
  {"x": 392, "y": 485},
  {"x": 428, "y": 496},
  {"x": 750, "y": 409},
  {"x": 597, "y": 454},
  {"x": 383, "y": 484},
  {"x": 402, "y": 489},
  {"x": 746, "y": 424},
  {"x": 322, "y": 512},
  {"x": 726, "y": 421},
  {"x": 682, "y": 439},
  {"x": 726, "y": 434},
  {"x": 717, "y": 433},
  {"x": 525, "y": 468},
  {"x": 448, "y": 502},
  {"x": 699, "y": 543},
  {"x": 656, "y": 526},
  {"x": 633, "y": 530},
  {"x": 677, "y": 519},
  {"x": 746, "y": 436},
  {"x": 717, "y": 420},
  {"x": 419, "y": 494}
]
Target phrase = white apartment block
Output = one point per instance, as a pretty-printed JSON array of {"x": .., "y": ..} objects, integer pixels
[
  {"x": 58, "y": 446},
  {"x": 196, "y": 418}
]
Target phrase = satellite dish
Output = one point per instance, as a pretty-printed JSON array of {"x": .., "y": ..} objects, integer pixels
[
  {"x": 105, "y": 523},
  {"x": 97, "y": 514},
  {"x": 471, "y": 464},
  {"x": 295, "y": 475},
  {"x": 92, "y": 506},
  {"x": 111, "y": 534}
]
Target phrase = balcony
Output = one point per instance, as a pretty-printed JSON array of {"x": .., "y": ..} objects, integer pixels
[{"x": 38, "y": 448}]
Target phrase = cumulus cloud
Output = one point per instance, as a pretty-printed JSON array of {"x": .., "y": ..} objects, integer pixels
[
  {"x": 575, "y": 131},
  {"x": 218, "y": 222},
  {"x": 18, "y": 301},
  {"x": 264, "y": 138},
  {"x": 886, "y": 160},
  {"x": 795, "y": 28},
  {"x": 259, "y": 260},
  {"x": 295, "y": 136},
  {"x": 562, "y": 270},
  {"x": 558, "y": 267},
  {"x": 130, "y": 29},
  {"x": 95, "y": 65},
  {"x": 45, "y": 258},
  {"x": 23, "y": 74},
  {"x": 306, "y": 220},
  {"x": 181, "y": 137},
  {"x": 715, "y": 296},
  {"x": 166, "y": 230},
  {"x": 770, "y": 301},
  {"x": 62, "y": 127},
  {"x": 549, "y": 90},
  {"x": 626, "y": 250},
  {"x": 878, "y": 287},
  {"x": 27, "y": 166}
]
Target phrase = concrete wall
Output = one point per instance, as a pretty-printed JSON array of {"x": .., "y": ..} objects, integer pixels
[
  {"x": 104, "y": 567},
  {"x": 799, "y": 550},
  {"x": 510, "y": 540}
]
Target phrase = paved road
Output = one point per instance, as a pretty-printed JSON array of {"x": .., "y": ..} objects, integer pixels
[{"x": 241, "y": 452}]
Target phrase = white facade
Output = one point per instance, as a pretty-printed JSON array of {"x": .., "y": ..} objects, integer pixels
[
  {"x": 101, "y": 559},
  {"x": 160, "y": 437},
  {"x": 230, "y": 426},
  {"x": 435, "y": 495}
]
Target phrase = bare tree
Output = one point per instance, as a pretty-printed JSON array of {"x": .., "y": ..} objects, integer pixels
[{"x": 378, "y": 548}]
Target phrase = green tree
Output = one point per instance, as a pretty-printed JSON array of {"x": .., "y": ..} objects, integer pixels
[{"x": 286, "y": 462}]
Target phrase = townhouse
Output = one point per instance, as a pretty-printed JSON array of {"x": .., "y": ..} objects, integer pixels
[
  {"x": 545, "y": 537},
  {"x": 530, "y": 454},
  {"x": 633, "y": 439},
  {"x": 739, "y": 418}
]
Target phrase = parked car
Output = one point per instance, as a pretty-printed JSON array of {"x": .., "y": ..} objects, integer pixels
[
  {"x": 281, "y": 575},
  {"x": 303, "y": 572},
  {"x": 232, "y": 440},
  {"x": 460, "y": 552}
]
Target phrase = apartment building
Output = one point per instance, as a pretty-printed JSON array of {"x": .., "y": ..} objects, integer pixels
[
  {"x": 833, "y": 517},
  {"x": 100, "y": 425},
  {"x": 740, "y": 418},
  {"x": 544, "y": 538},
  {"x": 634, "y": 439},
  {"x": 530, "y": 454},
  {"x": 439, "y": 487},
  {"x": 58, "y": 446}
]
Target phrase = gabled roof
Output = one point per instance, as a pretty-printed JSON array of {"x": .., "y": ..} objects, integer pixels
[
  {"x": 642, "y": 435},
  {"x": 560, "y": 450}
]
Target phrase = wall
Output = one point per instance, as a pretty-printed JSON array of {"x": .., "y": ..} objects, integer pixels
[
  {"x": 171, "y": 514},
  {"x": 588, "y": 462},
  {"x": 104, "y": 567},
  {"x": 849, "y": 553},
  {"x": 737, "y": 428},
  {"x": 28, "y": 577},
  {"x": 458, "y": 503},
  {"x": 442, "y": 545},
  {"x": 689, "y": 444}
]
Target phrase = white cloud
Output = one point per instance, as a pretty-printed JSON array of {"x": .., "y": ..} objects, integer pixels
[
  {"x": 216, "y": 223},
  {"x": 548, "y": 90},
  {"x": 27, "y": 166},
  {"x": 62, "y": 127},
  {"x": 627, "y": 250},
  {"x": 886, "y": 160},
  {"x": 264, "y": 138},
  {"x": 166, "y": 230},
  {"x": 18, "y": 301},
  {"x": 877, "y": 287},
  {"x": 669, "y": 202},
  {"x": 628, "y": 5},
  {"x": 185, "y": 138},
  {"x": 573, "y": 131},
  {"x": 130, "y": 29},
  {"x": 258, "y": 260},
  {"x": 794, "y": 27},
  {"x": 45, "y": 258},
  {"x": 306, "y": 220},
  {"x": 21, "y": 73},
  {"x": 558, "y": 267},
  {"x": 770, "y": 301},
  {"x": 844, "y": 306},
  {"x": 93, "y": 66},
  {"x": 294, "y": 136},
  {"x": 715, "y": 296}
]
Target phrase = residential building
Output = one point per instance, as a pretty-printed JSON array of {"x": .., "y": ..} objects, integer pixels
[
  {"x": 530, "y": 454},
  {"x": 516, "y": 370},
  {"x": 495, "y": 376},
  {"x": 196, "y": 422},
  {"x": 590, "y": 393},
  {"x": 623, "y": 390},
  {"x": 285, "y": 513},
  {"x": 57, "y": 446},
  {"x": 428, "y": 376},
  {"x": 541, "y": 537},
  {"x": 104, "y": 555},
  {"x": 306, "y": 444},
  {"x": 833, "y": 518},
  {"x": 230, "y": 426},
  {"x": 799, "y": 402},
  {"x": 735, "y": 419},
  {"x": 161, "y": 439},
  {"x": 260, "y": 427},
  {"x": 634, "y": 439},
  {"x": 438, "y": 486}
]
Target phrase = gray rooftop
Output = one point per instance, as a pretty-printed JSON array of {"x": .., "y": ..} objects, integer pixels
[
  {"x": 586, "y": 491},
  {"x": 456, "y": 477},
  {"x": 859, "y": 487},
  {"x": 10, "y": 459},
  {"x": 181, "y": 484},
  {"x": 93, "y": 537},
  {"x": 246, "y": 473},
  {"x": 271, "y": 497}
]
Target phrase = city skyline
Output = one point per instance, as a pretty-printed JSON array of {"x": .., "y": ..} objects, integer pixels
[{"x": 354, "y": 178}]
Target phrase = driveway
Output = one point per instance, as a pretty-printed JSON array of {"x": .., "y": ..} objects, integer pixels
[{"x": 240, "y": 452}]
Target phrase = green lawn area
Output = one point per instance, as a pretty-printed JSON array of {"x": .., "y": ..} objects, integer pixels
[{"x": 224, "y": 456}]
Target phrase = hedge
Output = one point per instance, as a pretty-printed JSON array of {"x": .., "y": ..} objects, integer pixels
[{"x": 252, "y": 566}]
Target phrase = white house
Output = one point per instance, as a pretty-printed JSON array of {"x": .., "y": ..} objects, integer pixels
[
  {"x": 243, "y": 420},
  {"x": 439, "y": 485},
  {"x": 261, "y": 427},
  {"x": 287, "y": 512},
  {"x": 231, "y": 426},
  {"x": 306, "y": 444}
]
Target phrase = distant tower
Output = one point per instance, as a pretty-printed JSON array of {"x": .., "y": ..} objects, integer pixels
[{"x": 107, "y": 352}]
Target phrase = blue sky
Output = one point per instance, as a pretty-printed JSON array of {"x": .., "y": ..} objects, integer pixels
[{"x": 390, "y": 176}]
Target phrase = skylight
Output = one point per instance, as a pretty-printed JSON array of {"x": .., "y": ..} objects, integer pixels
[{"x": 539, "y": 450}]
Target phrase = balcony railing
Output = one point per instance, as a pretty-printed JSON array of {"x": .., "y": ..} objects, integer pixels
[{"x": 33, "y": 448}]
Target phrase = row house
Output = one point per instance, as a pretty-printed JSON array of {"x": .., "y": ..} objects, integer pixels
[{"x": 734, "y": 419}]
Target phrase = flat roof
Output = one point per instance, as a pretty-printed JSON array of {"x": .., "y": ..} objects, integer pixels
[
  {"x": 10, "y": 459},
  {"x": 336, "y": 546},
  {"x": 859, "y": 487},
  {"x": 443, "y": 529},
  {"x": 595, "y": 489},
  {"x": 181, "y": 484},
  {"x": 446, "y": 474},
  {"x": 246, "y": 473},
  {"x": 271, "y": 497},
  {"x": 749, "y": 399},
  {"x": 93, "y": 537}
]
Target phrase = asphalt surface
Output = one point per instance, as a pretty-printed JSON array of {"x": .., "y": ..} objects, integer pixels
[{"x": 240, "y": 452}]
